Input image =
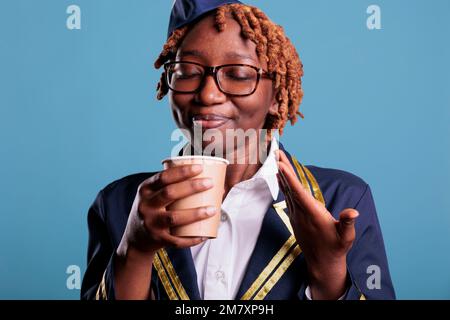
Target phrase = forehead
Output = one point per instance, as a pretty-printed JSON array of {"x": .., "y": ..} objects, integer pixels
[{"x": 205, "y": 42}]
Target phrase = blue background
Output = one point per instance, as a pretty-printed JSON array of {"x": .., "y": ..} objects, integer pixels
[{"x": 78, "y": 110}]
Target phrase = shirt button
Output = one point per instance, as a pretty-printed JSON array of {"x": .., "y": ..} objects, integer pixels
[
  {"x": 223, "y": 217},
  {"x": 220, "y": 275}
]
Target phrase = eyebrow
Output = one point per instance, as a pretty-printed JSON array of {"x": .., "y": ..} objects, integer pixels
[
  {"x": 195, "y": 53},
  {"x": 230, "y": 54},
  {"x": 238, "y": 55}
]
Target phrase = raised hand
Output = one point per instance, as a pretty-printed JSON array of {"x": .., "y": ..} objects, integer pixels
[{"x": 324, "y": 240}]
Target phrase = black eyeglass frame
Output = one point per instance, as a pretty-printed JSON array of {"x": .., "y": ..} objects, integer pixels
[{"x": 212, "y": 70}]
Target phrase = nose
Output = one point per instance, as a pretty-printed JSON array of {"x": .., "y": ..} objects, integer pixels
[{"x": 209, "y": 93}]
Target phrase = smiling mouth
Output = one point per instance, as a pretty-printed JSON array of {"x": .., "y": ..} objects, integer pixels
[{"x": 209, "y": 121}]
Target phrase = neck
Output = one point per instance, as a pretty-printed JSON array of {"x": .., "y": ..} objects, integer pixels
[
  {"x": 244, "y": 168},
  {"x": 237, "y": 173}
]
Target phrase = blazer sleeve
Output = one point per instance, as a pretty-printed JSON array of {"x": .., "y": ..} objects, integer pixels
[
  {"x": 367, "y": 261},
  {"x": 368, "y": 274},
  {"x": 98, "y": 280}
]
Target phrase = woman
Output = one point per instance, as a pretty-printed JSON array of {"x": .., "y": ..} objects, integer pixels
[{"x": 288, "y": 231}]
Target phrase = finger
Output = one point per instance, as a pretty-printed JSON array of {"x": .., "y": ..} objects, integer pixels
[
  {"x": 346, "y": 225},
  {"x": 180, "y": 242},
  {"x": 286, "y": 191},
  {"x": 169, "y": 176},
  {"x": 176, "y": 218},
  {"x": 179, "y": 190},
  {"x": 299, "y": 195},
  {"x": 283, "y": 158}
]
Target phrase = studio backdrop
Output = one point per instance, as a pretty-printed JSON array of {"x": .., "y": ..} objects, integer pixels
[{"x": 78, "y": 109}]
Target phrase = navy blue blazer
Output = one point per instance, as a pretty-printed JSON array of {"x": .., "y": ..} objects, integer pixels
[{"x": 276, "y": 269}]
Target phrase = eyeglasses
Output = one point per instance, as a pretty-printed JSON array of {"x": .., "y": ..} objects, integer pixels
[{"x": 231, "y": 79}]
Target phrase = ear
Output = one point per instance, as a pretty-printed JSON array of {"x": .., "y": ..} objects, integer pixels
[{"x": 273, "y": 109}]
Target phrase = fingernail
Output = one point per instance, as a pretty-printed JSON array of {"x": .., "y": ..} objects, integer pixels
[
  {"x": 210, "y": 211},
  {"x": 204, "y": 238},
  {"x": 196, "y": 168},
  {"x": 207, "y": 183}
]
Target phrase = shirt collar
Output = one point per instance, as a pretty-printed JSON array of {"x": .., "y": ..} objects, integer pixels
[{"x": 269, "y": 170}]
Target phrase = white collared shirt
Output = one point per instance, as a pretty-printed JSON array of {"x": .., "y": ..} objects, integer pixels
[{"x": 221, "y": 263}]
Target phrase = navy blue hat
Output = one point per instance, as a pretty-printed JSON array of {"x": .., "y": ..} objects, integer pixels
[{"x": 186, "y": 11}]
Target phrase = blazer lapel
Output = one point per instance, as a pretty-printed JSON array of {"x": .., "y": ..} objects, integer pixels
[{"x": 271, "y": 261}]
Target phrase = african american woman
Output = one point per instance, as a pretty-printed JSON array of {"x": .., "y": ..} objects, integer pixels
[{"x": 287, "y": 230}]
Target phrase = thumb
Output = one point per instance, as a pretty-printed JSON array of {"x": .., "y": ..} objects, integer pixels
[{"x": 346, "y": 225}]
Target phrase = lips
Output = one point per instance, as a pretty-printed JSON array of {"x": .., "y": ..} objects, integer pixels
[{"x": 209, "y": 121}]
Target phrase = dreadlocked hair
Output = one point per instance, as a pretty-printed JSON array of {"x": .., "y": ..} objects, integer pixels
[{"x": 272, "y": 45}]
